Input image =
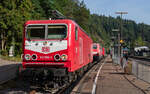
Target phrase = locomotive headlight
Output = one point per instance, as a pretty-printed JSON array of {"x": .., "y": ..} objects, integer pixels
[
  {"x": 34, "y": 57},
  {"x": 64, "y": 57},
  {"x": 27, "y": 57},
  {"x": 57, "y": 57}
]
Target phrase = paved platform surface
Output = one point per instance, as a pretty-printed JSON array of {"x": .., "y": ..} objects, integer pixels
[{"x": 111, "y": 80}]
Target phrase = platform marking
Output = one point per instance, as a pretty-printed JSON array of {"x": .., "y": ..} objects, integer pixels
[{"x": 95, "y": 81}]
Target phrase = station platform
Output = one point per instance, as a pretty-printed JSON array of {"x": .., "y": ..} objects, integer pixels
[{"x": 111, "y": 79}]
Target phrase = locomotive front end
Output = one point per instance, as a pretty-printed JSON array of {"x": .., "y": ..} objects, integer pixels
[{"x": 45, "y": 45}]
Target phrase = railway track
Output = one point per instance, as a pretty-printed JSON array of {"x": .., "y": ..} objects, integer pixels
[
  {"x": 141, "y": 58},
  {"x": 66, "y": 89},
  {"x": 8, "y": 72},
  {"x": 94, "y": 69}
]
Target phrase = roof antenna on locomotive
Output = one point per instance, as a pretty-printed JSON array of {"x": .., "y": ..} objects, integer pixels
[{"x": 57, "y": 15}]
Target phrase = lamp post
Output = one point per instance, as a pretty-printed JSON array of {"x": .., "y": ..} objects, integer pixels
[
  {"x": 116, "y": 52},
  {"x": 120, "y": 33}
]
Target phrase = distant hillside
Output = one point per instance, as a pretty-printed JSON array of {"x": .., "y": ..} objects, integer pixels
[{"x": 133, "y": 34}]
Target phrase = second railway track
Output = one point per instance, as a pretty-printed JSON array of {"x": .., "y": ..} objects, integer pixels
[{"x": 141, "y": 58}]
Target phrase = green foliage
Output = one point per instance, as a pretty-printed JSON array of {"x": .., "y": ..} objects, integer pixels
[
  {"x": 14, "y": 13},
  {"x": 4, "y": 52},
  {"x": 133, "y": 34},
  {"x": 139, "y": 41}
]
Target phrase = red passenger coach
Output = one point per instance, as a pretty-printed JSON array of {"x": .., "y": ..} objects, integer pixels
[
  {"x": 56, "y": 44},
  {"x": 103, "y": 51}
]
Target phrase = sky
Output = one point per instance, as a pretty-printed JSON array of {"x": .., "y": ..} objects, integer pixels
[{"x": 138, "y": 10}]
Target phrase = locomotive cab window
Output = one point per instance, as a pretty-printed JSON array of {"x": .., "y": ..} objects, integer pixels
[
  {"x": 94, "y": 46},
  {"x": 57, "y": 32},
  {"x": 35, "y": 32},
  {"x": 76, "y": 33}
]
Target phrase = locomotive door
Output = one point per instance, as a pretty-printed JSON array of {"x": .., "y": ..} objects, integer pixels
[{"x": 81, "y": 50}]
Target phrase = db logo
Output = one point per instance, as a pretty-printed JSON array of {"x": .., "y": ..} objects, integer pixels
[{"x": 45, "y": 49}]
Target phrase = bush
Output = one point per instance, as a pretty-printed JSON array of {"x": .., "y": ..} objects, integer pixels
[{"x": 4, "y": 52}]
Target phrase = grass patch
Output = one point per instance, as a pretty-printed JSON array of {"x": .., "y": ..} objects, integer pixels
[{"x": 16, "y": 59}]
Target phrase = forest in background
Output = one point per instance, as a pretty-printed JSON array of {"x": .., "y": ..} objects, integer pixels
[{"x": 14, "y": 13}]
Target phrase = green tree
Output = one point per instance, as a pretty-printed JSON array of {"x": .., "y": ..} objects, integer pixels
[{"x": 14, "y": 14}]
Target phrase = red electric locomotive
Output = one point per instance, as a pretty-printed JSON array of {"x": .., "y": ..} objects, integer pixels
[
  {"x": 59, "y": 47},
  {"x": 97, "y": 52}
]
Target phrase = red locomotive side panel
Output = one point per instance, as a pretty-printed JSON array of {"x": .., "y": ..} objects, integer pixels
[
  {"x": 81, "y": 48},
  {"x": 56, "y": 43}
]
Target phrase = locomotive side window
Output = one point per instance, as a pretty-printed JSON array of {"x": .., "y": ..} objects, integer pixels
[
  {"x": 57, "y": 32},
  {"x": 35, "y": 32},
  {"x": 76, "y": 33}
]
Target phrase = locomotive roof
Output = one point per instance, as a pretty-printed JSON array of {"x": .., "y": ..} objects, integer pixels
[
  {"x": 47, "y": 21},
  {"x": 53, "y": 21}
]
